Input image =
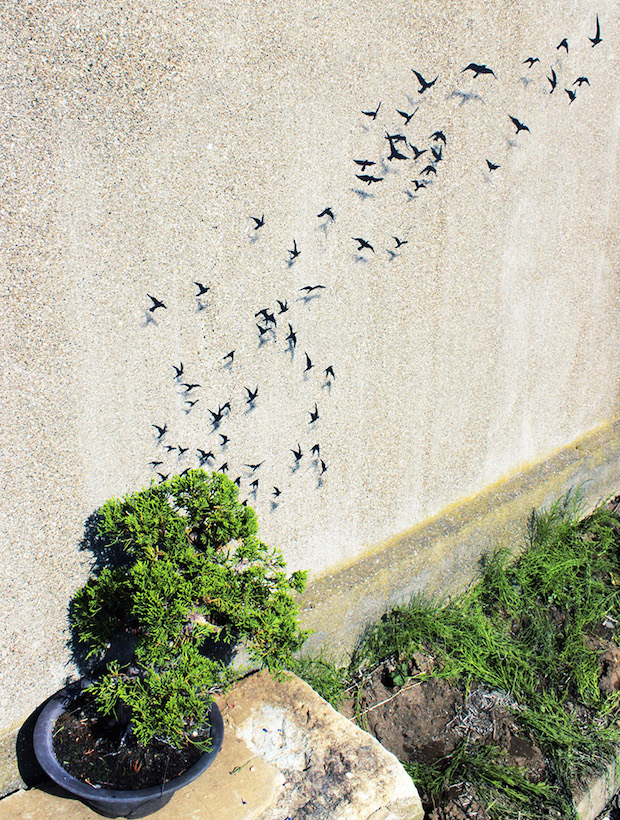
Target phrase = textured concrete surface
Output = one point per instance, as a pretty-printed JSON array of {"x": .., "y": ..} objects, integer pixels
[
  {"x": 285, "y": 751},
  {"x": 137, "y": 141}
]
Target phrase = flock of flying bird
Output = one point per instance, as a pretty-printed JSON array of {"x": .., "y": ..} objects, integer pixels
[
  {"x": 425, "y": 157},
  {"x": 266, "y": 321},
  {"x": 371, "y": 172}
]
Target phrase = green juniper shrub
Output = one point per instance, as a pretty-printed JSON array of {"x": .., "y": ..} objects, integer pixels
[{"x": 195, "y": 573}]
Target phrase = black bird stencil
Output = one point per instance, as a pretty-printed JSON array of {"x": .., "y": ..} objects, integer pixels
[
  {"x": 581, "y": 80},
  {"x": 323, "y": 467},
  {"x": 437, "y": 154},
  {"x": 230, "y": 356},
  {"x": 369, "y": 179},
  {"x": 155, "y": 463},
  {"x": 297, "y": 453},
  {"x": 329, "y": 372},
  {"x": 156, "y": 304},
  {"x": 362, "y": 243},
  {"x": 282, "y": 305},
  {"x": 479, "y": 69},
  {"x": 310, "y": 288},
  {"x": 327, "y": 212},
  {"x": 189, "y": 387},
  {"x": 309, "y": 364},
  {"x": 225, "y": 439},
  {"x": 252, "y": 394},
  {"x": 293, "y": 254},
  {"x": 430, "y": 169},
  {"x": 405, "y": 116},
  {"x": 203, "y": 455},
  {"x": 518, "y": 125},
  {"x": 400, "y": 242},
  {"x": 372, "y": 114},
  {"x": 553, "y": 79},
  {"x": 316, "y": 450},
  {"x": 572, "y": 95},
  {"x": 531, "y": 61},
  {"x": 202, "y": 289},
  {"x": 276, "y": 492},
  {"x": 424, "y": 84},
  {"x": 418, "y": 184},
  {"x": 160, "y": 430},
  {"x": 597, "y": 37},
  {"x": 417, "y": 153},
  {"x": 259, "y": 221},
  {"x": 563, "y": 44},
  {"x": 178, "y": 371},
  {"x": 492, "y": 166},
  {"x": 254, "y": 467},
  {"x": 314, "y": 414},
  {"x": 439, "y": 135},
  {"x": 292, "y": 336}
]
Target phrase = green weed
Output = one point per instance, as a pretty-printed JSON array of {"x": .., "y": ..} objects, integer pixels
[{"x": 522, "y": 628}]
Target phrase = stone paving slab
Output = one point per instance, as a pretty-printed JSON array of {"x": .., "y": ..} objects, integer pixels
[{"x": 286, "y": 752}]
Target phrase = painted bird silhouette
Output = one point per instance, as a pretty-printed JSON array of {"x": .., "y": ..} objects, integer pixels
[
  {"x": 372, "y": 114},
  {"x": 362, "y": 243},
  {"x": 368, "y": 179},
  {"x": 553, "y": 79},
  {"x": 479, "y": 69},
  {"x": 424, "y": 84},
  {"x": 156, "y": 304},
  {"x": 518, "y": 125},
  {"x": 405, "y": 116},
  {"x": 531, "y": 61}
]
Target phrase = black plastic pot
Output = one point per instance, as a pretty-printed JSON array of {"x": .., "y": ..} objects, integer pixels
[{"x": 112, "y": 802}]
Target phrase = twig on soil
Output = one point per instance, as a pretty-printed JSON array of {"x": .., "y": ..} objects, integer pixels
[{"x": 387, "y": 700}]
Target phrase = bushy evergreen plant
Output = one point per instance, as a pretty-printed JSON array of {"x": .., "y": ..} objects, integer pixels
[{"x": 194, "y": 572}]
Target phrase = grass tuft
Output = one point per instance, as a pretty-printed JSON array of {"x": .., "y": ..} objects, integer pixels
[{"x": 525, "y": 627}]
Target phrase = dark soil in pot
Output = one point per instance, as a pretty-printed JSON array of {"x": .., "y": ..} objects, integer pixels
[{"x": 98, "y": 750}]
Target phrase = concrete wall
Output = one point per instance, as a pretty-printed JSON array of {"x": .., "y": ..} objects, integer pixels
[{"x": 138, "y": 140}]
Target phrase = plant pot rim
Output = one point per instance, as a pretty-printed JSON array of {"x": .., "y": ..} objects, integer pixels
[{"x": 44, "y": 751}]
